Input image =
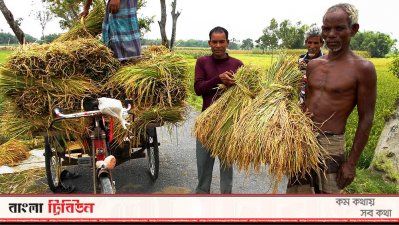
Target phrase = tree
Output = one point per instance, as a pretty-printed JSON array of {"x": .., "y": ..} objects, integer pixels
[
  {"x": 175, "y": 15},
  {"x": 394, "y": 65},
  {"x": 162, "y": 24},
  {"x": 144, "y": 24},
  {"x": 7, "y": 38},
  {"x": 44, "y": 16},
  {"x": 234, "y": 44},
  {"x": 68, "y": 12},
  {"x": 269, "y": 39},
  {"x": 49, "y": 38},
  {"x": 29, "y": 38},
  {"x": 144, "y": 21},
  {"x": 14, "y": 24},
  {"x": 247, "y": 44},
  {"x": 283, "y": 35},
  {"x": 376, "y": 43},
  {"x": 192, "y": 43},
  {"x": 291, "y": 36}
]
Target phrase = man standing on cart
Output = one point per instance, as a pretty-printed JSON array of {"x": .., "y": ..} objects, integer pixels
[
  {"x": 120, "y": 29},
  {"x": 218, "y": 68},
  {"x": 120, "y": 32}
]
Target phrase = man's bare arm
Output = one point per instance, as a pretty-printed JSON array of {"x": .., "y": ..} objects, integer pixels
[
  {"x": 366, "y": 100},
  {"x": 114, "y": 6},
  {"x": 86, "y": 8}
]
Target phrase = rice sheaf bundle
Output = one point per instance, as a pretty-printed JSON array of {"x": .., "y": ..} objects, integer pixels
[
  {"x": 29, "y": 102},
  {"x": 13, "y": 152},
  {"x": 152, "y": 50},
  {"x": 88, "y": 27},
  {"x": 83, "y": 57},
  {"x": 158, "y": 80},
  {"x": 275, "y": 131},
  {"x": 214, "y": 127},
  {"x": 157, "y": 84},
  {"x": 137, "y": 129},
  {"x": 38, "y": 78}
]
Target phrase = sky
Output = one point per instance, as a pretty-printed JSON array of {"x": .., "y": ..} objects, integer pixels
[{"x": 242, "y": 20}]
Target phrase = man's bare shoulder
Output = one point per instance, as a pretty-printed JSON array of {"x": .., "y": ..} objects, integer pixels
[
  {"x": 363, "y": 65},
  {"x": 366, "y": 68},
  {"x": 318, "y": 61}
]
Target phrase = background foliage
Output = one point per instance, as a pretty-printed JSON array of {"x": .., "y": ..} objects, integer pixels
[{"x": 376, "y": 43}]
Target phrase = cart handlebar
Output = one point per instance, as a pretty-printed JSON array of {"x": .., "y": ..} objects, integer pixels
[
  {"x": 122, "y": 114},
  {"x": 57, "y": 112}
]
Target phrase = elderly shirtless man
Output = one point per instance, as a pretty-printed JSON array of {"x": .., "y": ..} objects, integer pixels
[{"x": 338, "y": 82}]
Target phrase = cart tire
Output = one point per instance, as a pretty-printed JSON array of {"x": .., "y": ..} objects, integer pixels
[
  {"x": 53, "y": 164},
  {"x": 106, "y": 185},
  {"x": 153, "y": 155}
]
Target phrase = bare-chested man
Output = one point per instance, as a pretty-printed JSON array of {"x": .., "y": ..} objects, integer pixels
[{"x": 338, "y": 82}]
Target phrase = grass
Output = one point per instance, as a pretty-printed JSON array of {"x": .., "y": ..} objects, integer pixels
[
  {"x": 385, "y": 162},
  {"x": 371, "y": 182},
  {"x": 3, "y": 55}
]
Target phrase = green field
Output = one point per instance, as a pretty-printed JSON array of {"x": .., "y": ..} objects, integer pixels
[{"x": 3, "y": 55}]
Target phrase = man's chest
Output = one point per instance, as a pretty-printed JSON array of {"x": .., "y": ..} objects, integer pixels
[
  {"x": 334, "y": 79},
  {"x": 214, "y": 69}
]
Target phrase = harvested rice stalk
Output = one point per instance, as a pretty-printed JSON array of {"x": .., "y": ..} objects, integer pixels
[
  {"x": 10, "y": 83},
  {"x": 275, "y": 131},
  {"x": 160, "y": 80},
  {"x": 25, "y": 182},
  {"x": 29, "y": 102},
  {"x": 34, "y": 143},
  {"x": 13, "y": 152},
  {"x": 38, "y": 78},
  {"x": 155, "y": 50},
  {"x": 88, "y": 27},
  {"x": 39, "y": 97},
  {"x": 144, "y": 118},
  {"x": 13, "y": 124},
  {"x": 88, "y": 57},
  {"x": 214, "y": 127}
]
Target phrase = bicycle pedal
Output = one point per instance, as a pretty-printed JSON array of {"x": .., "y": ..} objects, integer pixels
[{"x": 84, "y": 161}]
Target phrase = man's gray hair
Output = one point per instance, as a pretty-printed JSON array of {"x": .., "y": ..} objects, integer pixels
[
  {"x": 313, "y": 31},
  {"x": 349, "y": 9}
]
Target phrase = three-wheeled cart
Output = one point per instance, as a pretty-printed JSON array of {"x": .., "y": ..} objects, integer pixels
[{"x": 62, "y": 150}]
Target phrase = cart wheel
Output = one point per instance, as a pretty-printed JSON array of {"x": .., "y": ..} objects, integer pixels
[
  {"x": 53, "y": 163},
  {"x": 153, "y": 154}
]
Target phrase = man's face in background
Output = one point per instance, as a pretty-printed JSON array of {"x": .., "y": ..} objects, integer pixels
[{"x": 314, "y": 44}]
